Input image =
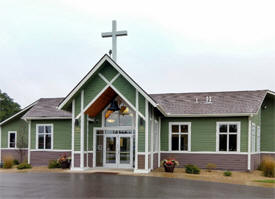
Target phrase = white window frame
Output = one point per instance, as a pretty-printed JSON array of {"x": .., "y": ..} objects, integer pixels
[
  {"x": 227, "y": 133},
  {"x": 15, "y": 146},
  {"x": 156, "y": 136},
  {"x": 189, "y": 136},
  {"x": 258, "y": 139},
  {"x": 37, "y": 137}
]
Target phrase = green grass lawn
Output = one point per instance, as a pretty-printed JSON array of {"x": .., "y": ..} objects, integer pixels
[{"x": 265, "y": 181}]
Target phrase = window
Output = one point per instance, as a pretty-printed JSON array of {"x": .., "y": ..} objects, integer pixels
[
  {"x": 156, "y": 136},
  {"x": 44, "y": 134},
  {"x": 12, "y": 139},
  {"x": 228, "y": 136},
  {"x": 258, "y": 139},
  {"x": 180, "y": 136},
  {"x": 120, "y": 119}
]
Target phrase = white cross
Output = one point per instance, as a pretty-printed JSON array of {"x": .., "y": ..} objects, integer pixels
[{"x": 114, "y": 34}]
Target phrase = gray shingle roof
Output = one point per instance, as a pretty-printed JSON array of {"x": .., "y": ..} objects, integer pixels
[
  {"x": 223, "y": 103},
  {"x": 47, "y": 107},
  {"x": 235, "y": 102}
]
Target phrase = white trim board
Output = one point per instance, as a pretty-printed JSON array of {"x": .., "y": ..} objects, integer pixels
[
  {"x": 51, "y": 150},
  {"x": 14, "y": 149},
  {"x": 48, "y": 118},
  {"x": 205, "y": 152}
]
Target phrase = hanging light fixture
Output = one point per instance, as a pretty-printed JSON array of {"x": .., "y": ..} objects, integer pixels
[{"x": 114, "y": 106}]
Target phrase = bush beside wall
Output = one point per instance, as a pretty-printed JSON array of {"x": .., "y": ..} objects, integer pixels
[
  {"x": 8, "y": 162},
  {"x": 268, "y": 166}
]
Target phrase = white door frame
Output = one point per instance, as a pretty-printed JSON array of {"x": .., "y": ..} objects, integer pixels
[
  {"x": 130, "y": 165},
  {"x": 118, "y": 165},
  {"x": 110, "y": 165}
]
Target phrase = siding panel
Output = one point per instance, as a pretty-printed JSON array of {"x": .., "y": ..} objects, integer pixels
[{"x": 203, "y": 132}]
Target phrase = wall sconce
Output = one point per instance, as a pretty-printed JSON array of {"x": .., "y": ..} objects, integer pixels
[{"x": 76, "y": 122}]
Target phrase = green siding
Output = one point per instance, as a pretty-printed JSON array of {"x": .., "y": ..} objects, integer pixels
[
  {"x": 85, "y": 133},
  {"x": 126, "y": 89},
  {"x": 77, "y": 138},
  {"x": 18, "y": 125},
  {"x": 108, "y": 71},
  {"x": 93, "y": 125},
  {"x": 61, "y": 133},
  {"x": 141, "y": 135},
  {"x": 268, "y": 125},
  {"x": 94, "y": 85},
  {"x": 141, "y": 104},
  {"x": 77, "y": 104},
  {"x": 203, "y": 132}
]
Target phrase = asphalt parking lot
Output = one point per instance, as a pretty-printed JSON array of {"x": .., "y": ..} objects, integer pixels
[{"x": 83, "y": 185}]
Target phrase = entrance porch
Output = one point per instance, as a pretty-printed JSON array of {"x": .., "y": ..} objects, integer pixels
[{"x": 104, "y": 135}]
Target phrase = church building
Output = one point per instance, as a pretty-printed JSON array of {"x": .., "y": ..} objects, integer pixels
[{"x": 109, "y": 121}]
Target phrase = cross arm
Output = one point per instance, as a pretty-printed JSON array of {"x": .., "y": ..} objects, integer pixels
[
  {"x": 106, "y": 34},
  {"x": 118, "y": 33}
]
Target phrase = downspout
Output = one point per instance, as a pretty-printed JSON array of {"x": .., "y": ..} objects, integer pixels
[{"x": 249, "y": 145}]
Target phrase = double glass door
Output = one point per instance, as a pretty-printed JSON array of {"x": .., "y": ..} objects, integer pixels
[{"x": 118, "y": 151}]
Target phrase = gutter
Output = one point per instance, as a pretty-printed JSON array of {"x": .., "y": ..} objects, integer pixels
[
  {"x": 210, "y": 115},
  {"x": 47, "y": 118}
]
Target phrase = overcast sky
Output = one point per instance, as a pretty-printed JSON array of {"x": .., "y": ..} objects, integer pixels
[{"x": 46, "y": 47}]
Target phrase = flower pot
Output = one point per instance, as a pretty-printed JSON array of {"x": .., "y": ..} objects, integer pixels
[
  {"x": 65, "y": 164},
  {"x": 169, "y": 168}
]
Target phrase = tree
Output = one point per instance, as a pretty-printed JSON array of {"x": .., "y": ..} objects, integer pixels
[
  {"x": 7, "y": 106},
  {"x": 21, "y": 142}
]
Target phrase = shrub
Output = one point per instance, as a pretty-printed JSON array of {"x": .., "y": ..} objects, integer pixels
[
  {"x": 53, "y": 164},
  {"x": 210, "y": 167},
  {"x": 227, "y": 173},
  {"x": 24, "y": 165},
  {"x": 8, "y": 162},
  {"x": 15, "y": 162},
  {"x": 268, "y": 166},
  {"x": 192, "y": 169}
]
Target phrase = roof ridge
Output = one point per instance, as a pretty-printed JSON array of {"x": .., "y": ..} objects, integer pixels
[{"x": 266, "y": 90}]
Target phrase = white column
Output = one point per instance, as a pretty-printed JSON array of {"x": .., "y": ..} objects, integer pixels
[
  {"x": 73, "y": 128},
  {"x": 136, "y": 130},
  {"x": 29, "y": 142},
  {"x": 146, "y": 133},
  {"x": 249, "y": 145},
  {"x": 0, "y": 144},
  {"x": 82, "y": 132}
]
